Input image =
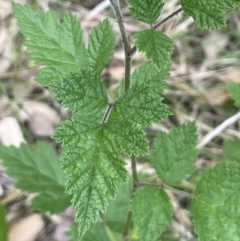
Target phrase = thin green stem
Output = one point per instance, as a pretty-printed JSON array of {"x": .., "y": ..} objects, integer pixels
[
  {"x": 134, "y": 171},
  {"x": 164, "y": 186},
  {"x": 125, "y": 233},
  {"x": 125, "y": 41}
]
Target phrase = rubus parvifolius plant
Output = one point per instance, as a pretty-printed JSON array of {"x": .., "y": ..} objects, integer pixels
[{"x": 101, "y": 130}]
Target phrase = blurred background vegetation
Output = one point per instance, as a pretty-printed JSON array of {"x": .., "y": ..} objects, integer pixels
[{"x": 202, "y": 64}]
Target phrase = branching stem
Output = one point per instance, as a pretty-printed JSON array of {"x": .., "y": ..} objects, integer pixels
[{"x": 125, "y": 41}]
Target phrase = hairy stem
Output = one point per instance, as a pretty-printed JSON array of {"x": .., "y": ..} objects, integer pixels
[
  {"x": 134, "y": 48},
  {"x": 125, "y": 41}
]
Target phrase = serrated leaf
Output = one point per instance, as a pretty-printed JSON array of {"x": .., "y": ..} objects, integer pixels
[
  {"x": 231, "y": 150},
  {"x": 59, "y": 46},
  {"x": 128, "y": 138},
  {"x": 96, "y": 138},
  {"x": 146, "y": 11},
  {"x": 156, "y": 46},
  {"x": 234, "y": 89},
  {"x": 174, "y": 153},
  {"x": 148, "y": 74},
  {"x": 141, "y": 105},
  {"x": 229, "y": 4},
  {"x": 3, "y": 224},
  {"x": 87, "y": 93},
  {"x": 215, "y": 208},
  {"x": 93, "y": 168},
  {"x": 100, "y": 47},
  {"x": 37, "y": 170},
  {"x": 152, "y": 212},
  {"x": 208, "y": 14}
]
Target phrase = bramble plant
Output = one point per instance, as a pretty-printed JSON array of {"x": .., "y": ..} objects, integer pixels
[{"x": 101, "y": 130}]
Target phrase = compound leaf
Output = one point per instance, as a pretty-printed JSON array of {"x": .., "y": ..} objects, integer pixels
[
  {"x": 37, "y": 170},
  {"x": 232, "y": 150},
  {"x": 3, "y": 224},
  {"x": 146, "y": 11},
  {"x": 174, "y": 153},
  {"x": 97, "y": 137},
  {"x": 154, "y": 205},
  {"x": 149, "y": 74},
  {"x": 100, "y": 47},
  {"x": 156, "y": 45},
  {"x": 215, "y": 207},
  {"x": 234, "y": 89},
  {"x": 208, "y": 14},
  {"x": 55, "y": 44}
]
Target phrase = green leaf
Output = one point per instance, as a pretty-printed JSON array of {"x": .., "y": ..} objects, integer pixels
[
  {"x": 118, "y": 209},
  {"x": 148, "y": 74},
  {"x": 229, "y": 4},
  {"x": 146, "y": 11},
  {"x": 100, "y": 47},
  {"x": 152, "y": 212},
  {"x": 231, "y": 150},
  {"x": 157, "y": 47},
  {"x": 3, "y": 224},
  {"x": 97, "y": 136},
  {"x": 94, "y": 168},
  {"x": 141, "y": 105},
  {"x": 115, "y": 217},
  {"x": 234, "y": 89},
  {"x": 208, "y": 14},
  {"x": 121, "y": 88},
  {"x": 73, "y": 233},
  {"x": 59, "y": 46},
  {"x": 127, "y": 137},
  {"x": 174, "y": 153},
  {"x": 37, "y": 170},
  {"x": 87, "y": 92},
  {"x": 215, "y": 208}
]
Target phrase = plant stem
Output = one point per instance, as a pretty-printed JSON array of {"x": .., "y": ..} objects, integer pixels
[
  {"x": 134, "y": 171},
  {"x": 134, "y": 48},
  {"x": 127, "y": 226},
  {"x": 125, "y": 41},
  {"x": 167, "y": 18},
  {"x": 164, "y": 186}
]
